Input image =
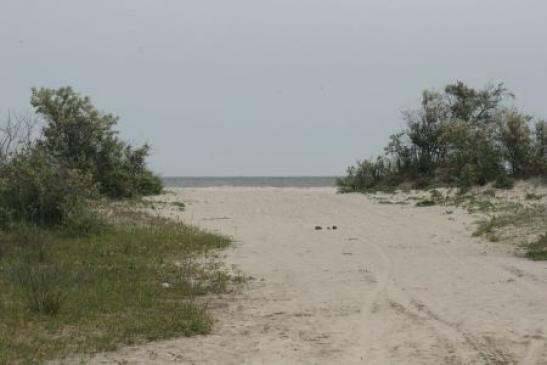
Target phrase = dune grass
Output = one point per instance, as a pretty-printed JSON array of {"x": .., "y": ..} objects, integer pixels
[
  {"x": 521, "y": 221},
  {"x": 533, "y": 218},
  {"x": 538, "y": 250},
  {"x": 137, "y": 280}
]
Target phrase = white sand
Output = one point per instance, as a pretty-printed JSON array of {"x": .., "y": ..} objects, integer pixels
[{"x": 392, "y": 285}]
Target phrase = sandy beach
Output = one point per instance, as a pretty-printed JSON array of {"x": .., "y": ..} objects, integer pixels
[{"x": 393, "y": 284}]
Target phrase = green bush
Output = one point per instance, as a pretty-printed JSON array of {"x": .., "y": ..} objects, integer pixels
[
  {"x": 504, "y": 182},
  {"x": 125, "y": 175},
  {"x": 366, "y": 175},
  {"x": 49, "y": 181},
  {"x": 462, "y": 137},
  {"x": 516, "y": 142},
  {"x": 83, "y": 222},
  {"x": 147, "y": 183},
  {"x": 36, "y": 189},
  {"x": 80, "y": 137},
  {"x": 540, "y": 150}
]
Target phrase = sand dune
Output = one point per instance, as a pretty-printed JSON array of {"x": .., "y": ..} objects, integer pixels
[{"x": 392, "y": 285}]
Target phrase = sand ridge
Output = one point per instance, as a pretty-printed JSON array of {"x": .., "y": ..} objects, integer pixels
[{"x": 393, "y": 284}]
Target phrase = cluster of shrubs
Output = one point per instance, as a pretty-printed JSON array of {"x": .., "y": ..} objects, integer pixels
[
  {"x": 461, "y": 137},
  {"x": 50, "y": 179}
]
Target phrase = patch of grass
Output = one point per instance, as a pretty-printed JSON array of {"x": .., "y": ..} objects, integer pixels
[
  {"x": 137, "y": 280},
  {"x": 482, "y": 203},
  {"x": 494, "y": 238},
  {"x": 384, "y": 201},
  {"x": 41, "y": 285},
  {"x": 488, "y": 225},
  {"x": 153, "y": 204},
  {"x": 425, "y": 203},
  {"x": 436, "y": 195},
  {"x": 476, "y": 205},
  {"x": 179, "y": 205},
  {"x": 533, "y": 218},
  {"x": 435, "y": 198},
  {"x": 532, "y": 196},
  {"x": 538, "y": 249}
]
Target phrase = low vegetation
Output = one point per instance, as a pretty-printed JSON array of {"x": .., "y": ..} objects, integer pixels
[
  {"x": 515, "y": 221},
  {"x": 139, "y": 279},
  {"x": 462, "y": 137},
  {"x": 537, "y": 250},
  {"x": 49, "y": 178},
  {"x": 517, "y": 217},
  {"x": 465, "y": 138},
  {"x": 81, "y": 270}
]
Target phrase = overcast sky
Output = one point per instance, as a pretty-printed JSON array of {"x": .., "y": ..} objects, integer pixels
[{"x": 276, "y": 87}]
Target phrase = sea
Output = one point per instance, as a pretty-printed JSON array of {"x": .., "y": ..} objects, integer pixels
[{"x": 251, "y": 181}]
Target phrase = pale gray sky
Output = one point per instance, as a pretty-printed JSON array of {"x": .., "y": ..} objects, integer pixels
[{"x": 255, "y": 87}]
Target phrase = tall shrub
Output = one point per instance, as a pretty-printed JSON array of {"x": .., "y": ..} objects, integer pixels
[
  {"x": 35, "y": 189},
  {"x": 516, "y": 142},
  {"x": 82, "y": 138},
  {"x": 462, "y": 136},
  {"x": 540, "y": 149}
]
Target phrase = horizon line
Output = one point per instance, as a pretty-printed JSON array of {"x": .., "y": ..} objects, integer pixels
[{"x": 245, "y": 176}]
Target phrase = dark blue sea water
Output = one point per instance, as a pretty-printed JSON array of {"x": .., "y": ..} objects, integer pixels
[{"x": 258, "y": 181}]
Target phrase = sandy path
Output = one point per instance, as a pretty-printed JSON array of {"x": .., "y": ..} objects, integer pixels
[{"x": 393, "y": 285}]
